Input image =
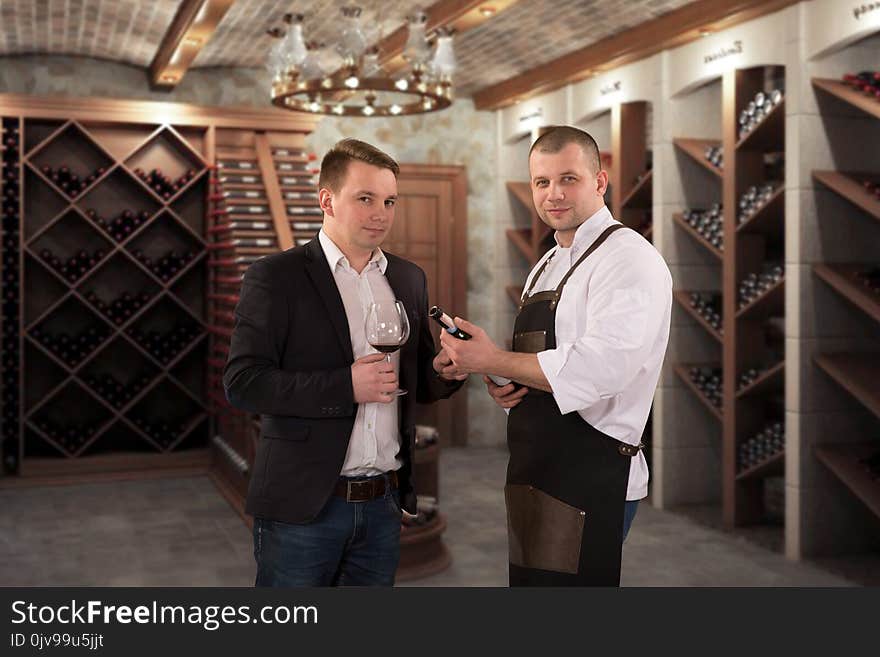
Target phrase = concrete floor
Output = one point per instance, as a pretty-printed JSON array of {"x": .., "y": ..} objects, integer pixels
[{"x": 181, "y": 532}]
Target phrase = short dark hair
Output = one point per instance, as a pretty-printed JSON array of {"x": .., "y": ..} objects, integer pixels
[
  {"x": 557, "y": 137},
  {"x": 334, "y": 166}
]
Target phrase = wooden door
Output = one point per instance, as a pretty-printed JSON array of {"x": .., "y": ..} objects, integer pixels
[{"x": 430, "y": 229}]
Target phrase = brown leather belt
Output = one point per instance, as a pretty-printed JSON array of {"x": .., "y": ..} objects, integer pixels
[{"x": 361, "y": 490}]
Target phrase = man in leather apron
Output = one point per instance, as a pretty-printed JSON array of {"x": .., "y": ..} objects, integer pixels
[{"x": 588, "y": 342}]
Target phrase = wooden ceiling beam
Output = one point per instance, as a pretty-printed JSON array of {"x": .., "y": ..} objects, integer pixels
[
  {"x": 676, "y": 28},
  {"x": 192, "y": 28}
]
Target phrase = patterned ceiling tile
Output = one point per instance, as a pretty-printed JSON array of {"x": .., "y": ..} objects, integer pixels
[
  {"x": 123, "y": 30},
  {"x": 241, "y": 39},
  {"x": 533, "y": 33},
  {"x": 528, "y": 34}
]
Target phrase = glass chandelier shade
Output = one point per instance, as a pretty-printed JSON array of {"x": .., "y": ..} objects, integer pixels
[{"x": 302, "y": 80}]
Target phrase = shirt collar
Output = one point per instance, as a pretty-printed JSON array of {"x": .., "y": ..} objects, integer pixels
[
  {"x": 589, "y": 230},
  {"x": 335, "y": 256}
]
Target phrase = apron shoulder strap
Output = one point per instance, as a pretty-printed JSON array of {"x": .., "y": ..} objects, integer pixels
[
  {"x": 595, "y": 245},
  {"x": 527, "y": 293}
]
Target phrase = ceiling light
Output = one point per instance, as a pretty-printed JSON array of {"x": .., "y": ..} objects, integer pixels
[
  {"x": 299, "y": 75},
  {"x": 487, "y": 11}
]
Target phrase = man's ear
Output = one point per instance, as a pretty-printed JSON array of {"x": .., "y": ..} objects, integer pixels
[
  {"x": 601, "y": 182},
  {"x": 325, "y": 200}
]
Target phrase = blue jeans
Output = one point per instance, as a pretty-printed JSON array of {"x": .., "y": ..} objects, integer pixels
[
  {"x": 348, "y": 544},
  {"x": 629, "y": 514}
]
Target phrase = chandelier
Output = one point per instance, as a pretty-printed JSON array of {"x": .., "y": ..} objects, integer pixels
[{"x": 301, "y": 80}]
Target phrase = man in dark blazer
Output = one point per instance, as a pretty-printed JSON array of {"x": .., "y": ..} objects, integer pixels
[{"x": 333, "y": 470}]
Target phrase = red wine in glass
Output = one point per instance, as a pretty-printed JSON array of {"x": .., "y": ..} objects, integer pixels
[{"x": 387, "y": 329}]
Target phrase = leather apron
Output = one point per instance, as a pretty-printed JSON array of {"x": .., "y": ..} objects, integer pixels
[{"x": 566, "y": 480}]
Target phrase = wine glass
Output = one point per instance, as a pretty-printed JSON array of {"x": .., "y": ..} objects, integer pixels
[{"x": 387, "y": 329}]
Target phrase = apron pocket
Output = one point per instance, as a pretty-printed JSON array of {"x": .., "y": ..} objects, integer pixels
[
  {"x": 543, "y": 532},
  {"x": 530, "y": 342}
]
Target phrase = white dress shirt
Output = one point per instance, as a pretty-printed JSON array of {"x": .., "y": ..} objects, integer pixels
[
  {"x": 612, "y": 326},
  {"x": 375, "y": 437}
]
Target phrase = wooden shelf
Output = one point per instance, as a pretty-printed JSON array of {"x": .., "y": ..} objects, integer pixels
[
  {"x": 522, "y": 192},
  {"x": 696, "y": 149},
  {"x": 769, "y": 217},
  {"x": 769, "y": 134},
  {"x": 851, "y": 189},
  {"x": 844, "y": 462},
  {"x": 842, "y": 279},
  {"x": 522, "y": 240},
  {"x": 678, "y": 218},
  {"x": 858, "y": 374},
  {"x": 764, "y": 381},
  {"x": 772, "y": 465},
  {"x": 848, "y": 95},
  {"x": 640, "y": 195},
  {"x": 682, "y": 370},
  {"x": 648, "y": 232},
  {"x": 683, "y": 298},
  {"x": 764, "y": 305}
]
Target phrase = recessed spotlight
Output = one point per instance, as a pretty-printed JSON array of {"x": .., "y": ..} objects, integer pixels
[
  {"x": 192, "y": 41},
  {"x": 705, "y": 32},
  {"x": 487, "y": 11},
  {"x": 169, "y": 78}
]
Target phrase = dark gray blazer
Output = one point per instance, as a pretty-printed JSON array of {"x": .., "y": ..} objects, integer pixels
[{"x": 290, "y": 360}]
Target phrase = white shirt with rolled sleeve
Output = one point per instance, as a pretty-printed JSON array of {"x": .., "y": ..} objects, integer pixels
[{"x": 612, "y": 327}]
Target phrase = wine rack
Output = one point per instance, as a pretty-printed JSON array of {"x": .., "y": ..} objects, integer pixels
[
  {"x": 854, "y": 372},
  {"x": 632, "y": 166},
  {"x": 297, "y": 176},
  {"x": 10, "y": 289},
  {"x": 240, "y": 222},
  {"x": 739, "y": 226},
  {"x": 754, "y": 279},
  {"x": 108, "y": 295}
]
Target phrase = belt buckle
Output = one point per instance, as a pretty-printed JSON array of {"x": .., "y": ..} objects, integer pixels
[{"x": 352, "y": 484}]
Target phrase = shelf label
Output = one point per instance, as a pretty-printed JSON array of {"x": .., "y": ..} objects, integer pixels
[
  {"x": 251, "y": 194},
  {"x": 306, "y": 225},
  {"x": 758, "y": 42},
  {"x": 264, "y": 242},
  {"x": 614, "y": 87},
  {"x": 832, "y": 25},
  {"x": 635, "y": 82},
  {"x": 293, "y": 209},
  {"x": 725, "y": 51}
]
